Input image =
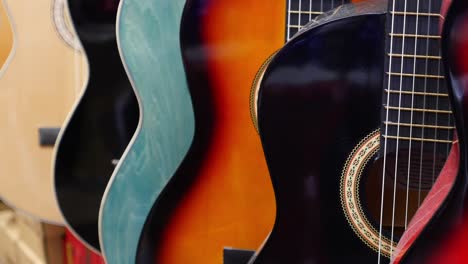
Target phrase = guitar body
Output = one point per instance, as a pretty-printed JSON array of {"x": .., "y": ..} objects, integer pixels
[
  {"x": 221, "y": 195},
  {"x": 149, "y": 44},
  {"x": 320, "y": 133},
  {"x": 100, "y": 126},
  {"x": 308, "y": 138},
  {"x": 39, "y": 85}
]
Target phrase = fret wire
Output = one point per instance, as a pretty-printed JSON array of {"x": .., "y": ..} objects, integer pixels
[
  {"x": 305, "y": 12},
  {"x": 418, "y": 110},
  {"x": 401, "y": 13},
  {"x": 414, "y": 56},
  {"x": 420, "y": 125},
  {"x": 419, "y": 139},
  {"x": 417, "y": 93},
  {"x": 416, "y": 75},
  {"x": 415, "y": 36}
]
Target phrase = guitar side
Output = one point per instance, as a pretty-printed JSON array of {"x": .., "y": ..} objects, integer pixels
[
  {"x": 148, "y": 39},
  {"x": 221, "y": 195},
  {"x": 98, "y": 128}
]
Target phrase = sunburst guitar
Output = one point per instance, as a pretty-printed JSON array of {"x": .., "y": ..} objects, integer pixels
[{"x": 39, "y": 83}]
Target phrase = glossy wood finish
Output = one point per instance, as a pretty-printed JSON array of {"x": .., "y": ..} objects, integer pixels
[
  {"x": 201, "y": 212},
  {"x": 149, "y": 44},
  {"x": 221, "y": 195},
  {"x": 309, "y": 127},
  {"x": 38, "y": 87},
  {"x": 99, "y": 127},
  {"x": 306, "y": 161}
]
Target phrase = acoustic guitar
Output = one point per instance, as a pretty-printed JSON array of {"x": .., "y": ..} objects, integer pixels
[
  {"x": 99, "y": 127},
  {"x": 220, "y": 202},
  {"x": 356, "y": 126},
  {"x": 148, "y": 39},
  {"x": 39, "y": 84}
]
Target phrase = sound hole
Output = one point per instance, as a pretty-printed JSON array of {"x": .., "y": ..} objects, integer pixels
[{"x": 415, "y": 175}]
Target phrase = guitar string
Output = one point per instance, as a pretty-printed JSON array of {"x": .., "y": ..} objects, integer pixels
[
  {"x": 411, "y": 117},
  {"x": 299, "y": 15},
  {"x": 310, "y": 10},
  {"x": 424, "y": 107},
  {"x": 397, "y": 149},
  {"x": 435, "y": 133},
  {"x": 385, "y": 138},
  {"x": 321, "y": 6},
  {"x": 449, "y": 119},
  {"x": 288, "y": 34}
]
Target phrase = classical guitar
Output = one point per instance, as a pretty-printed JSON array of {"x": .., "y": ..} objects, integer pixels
[
  {"x": 148, "y": 39},
  {"x": 39, "y": 84},
  {"x": 220, "y": 202},
  {"x": 101, "y": 124},
  {"x": 356, "y": 127}
]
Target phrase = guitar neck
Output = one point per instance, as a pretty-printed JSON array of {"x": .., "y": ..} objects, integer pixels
[
  {"x": 300, "y": 12},
  {"x": 415, "y": 102}
]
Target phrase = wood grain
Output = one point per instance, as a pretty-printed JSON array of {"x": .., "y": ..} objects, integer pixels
[{"x": 37, "y": 89}]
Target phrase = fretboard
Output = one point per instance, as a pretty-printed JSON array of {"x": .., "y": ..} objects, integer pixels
[
  {"x": 415, "y": 94},
  {"x": 300, "y": 12},
  {"x": 416, "y": 113}
]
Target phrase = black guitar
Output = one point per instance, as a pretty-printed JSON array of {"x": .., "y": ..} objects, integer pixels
[
  {"x": 356, "y": 134},
  {"x": 101, "y": 125}
]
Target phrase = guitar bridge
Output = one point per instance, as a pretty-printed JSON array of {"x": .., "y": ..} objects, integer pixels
[
  {"x": 48, "y": 136},
  {"x": 237, "y": 256}
]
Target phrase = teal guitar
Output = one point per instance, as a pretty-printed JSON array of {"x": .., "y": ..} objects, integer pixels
[{"x": 148, "y": 38}]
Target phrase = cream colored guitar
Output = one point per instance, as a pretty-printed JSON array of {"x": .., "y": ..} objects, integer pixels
[{"x": 39, "y": 83}]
